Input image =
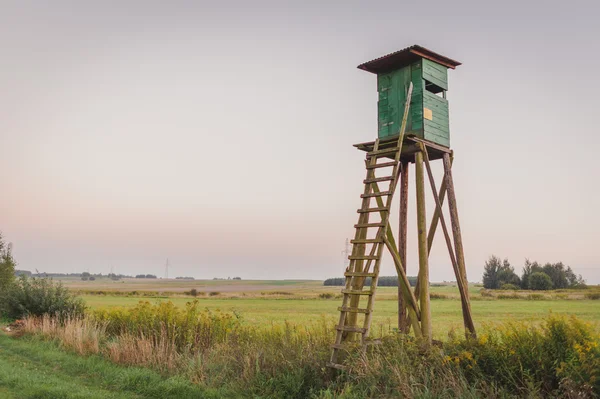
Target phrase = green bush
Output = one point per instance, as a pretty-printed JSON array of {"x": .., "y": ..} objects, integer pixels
[
  {"x": 41, "y": 296},
  {"x": 509, "y": 286},
  {"x": 7, "y": 266},
  {"x": 592, "y": 295},
  {"x": 540, "y": 281},
  {"x": 326, "y": 295}
]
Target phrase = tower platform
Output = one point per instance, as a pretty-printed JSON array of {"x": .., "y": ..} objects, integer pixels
[{"x": 409, "y": 147}]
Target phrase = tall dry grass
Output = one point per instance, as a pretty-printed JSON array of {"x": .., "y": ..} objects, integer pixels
[{"x": 81, "y": 335}]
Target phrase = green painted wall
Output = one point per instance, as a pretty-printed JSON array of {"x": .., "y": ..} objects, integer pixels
[{"x": 392, "y": 87}]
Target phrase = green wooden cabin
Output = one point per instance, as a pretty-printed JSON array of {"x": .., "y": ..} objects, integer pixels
[{"x": 428, "y": 118}]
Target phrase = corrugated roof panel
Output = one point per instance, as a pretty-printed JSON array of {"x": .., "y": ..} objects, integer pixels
[{"x": 405, "y": 57}]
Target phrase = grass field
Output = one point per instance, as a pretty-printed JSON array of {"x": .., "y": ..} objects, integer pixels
[
  {"x": 446, "y": 314},
  {"x": 297, "y": 301}
]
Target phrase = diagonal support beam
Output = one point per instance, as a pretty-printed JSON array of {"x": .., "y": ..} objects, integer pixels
[
  {"x": 458, "y": 246},
  {"x": 463, "y": 290},
  {"x": 390, "y": 242}
]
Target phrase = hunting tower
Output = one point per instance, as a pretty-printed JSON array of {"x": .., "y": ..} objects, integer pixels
[{"x": 413, "y": 127}]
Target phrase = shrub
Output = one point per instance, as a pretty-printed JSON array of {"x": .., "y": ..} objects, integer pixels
[
  {"x": 214, "y": 293},
  {"x": 561, "y": 357},
  {"x": 509, "y": 286},
  {"x": 509, "y": 296},
  {"x": 187, "y": 329},
  {"x": 486, "y": 293},
  {"x": 326, "y": 295},
  {"x": 592, "y": 295},
  {"x": 7, "y": 266},
  {"x": 41, "y": 296},
  {"x": 540, "y": 281},
  {"x": 536, "y": 297},
  {"x": 435, "y": 295}
]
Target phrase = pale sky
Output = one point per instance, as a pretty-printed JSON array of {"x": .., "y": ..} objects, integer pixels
[{"x": 219, "y": 134}]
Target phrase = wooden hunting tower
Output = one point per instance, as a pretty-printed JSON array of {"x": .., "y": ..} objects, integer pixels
[
  {"x": 428, "y": 72},
  {"x": 413, "y": 127}
]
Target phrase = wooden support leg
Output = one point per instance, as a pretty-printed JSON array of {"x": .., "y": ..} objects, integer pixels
[
  {"x": 434, "y": 221},
  {"x": 403, "y": 325},
  {"x": 462, "y": 284},
  {"x": 458, "y": 245},
  {"x": 426, "y": 327}
]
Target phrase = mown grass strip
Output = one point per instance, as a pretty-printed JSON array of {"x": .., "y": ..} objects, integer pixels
[{"x": 30, "y": 367}]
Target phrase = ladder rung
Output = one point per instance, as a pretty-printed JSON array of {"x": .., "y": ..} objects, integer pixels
[
  {"x": 362, "y": 257},
  {"x": 377, "y": 153},
  {"x": 367, "y": 241},
  {"x": 353, "y": 310},
  {"x": 367, "y": 225},
  {"x": 378, "y": 179},
  {"x": 351, "y": 329},
  {"x": 378, "y": 209},
  {"x": 359, "y": 274},
  {"x": 357, "y": 292},
  {"x": 382, "y": 165},
  {"x": 336, "y": 366},
  {"x": 379, "y": 194}
]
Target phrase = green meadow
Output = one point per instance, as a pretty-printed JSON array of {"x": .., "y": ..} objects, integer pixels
[{"x": 301, "y": 302}]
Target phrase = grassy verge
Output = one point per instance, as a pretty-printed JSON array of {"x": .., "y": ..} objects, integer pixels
[{"x": 32, "y": 368}]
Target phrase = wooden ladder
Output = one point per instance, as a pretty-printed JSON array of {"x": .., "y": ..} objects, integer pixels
[{"x": 363, "y": 263}]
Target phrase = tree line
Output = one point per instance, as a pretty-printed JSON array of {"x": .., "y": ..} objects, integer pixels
[
  {"x": 384, "y": 281},
  {"x": 499, "y": 274}
]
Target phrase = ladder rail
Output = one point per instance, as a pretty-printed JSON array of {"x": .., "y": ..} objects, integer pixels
[{"x": 357, "y": 269}]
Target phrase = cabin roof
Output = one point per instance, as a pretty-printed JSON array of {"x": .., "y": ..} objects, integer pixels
[{"x": 406, "y": 57}]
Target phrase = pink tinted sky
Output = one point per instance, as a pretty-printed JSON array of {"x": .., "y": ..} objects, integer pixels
[{"x": 220, "y": 135}]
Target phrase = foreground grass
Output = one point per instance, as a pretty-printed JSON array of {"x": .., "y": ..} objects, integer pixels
[
  {"x": 558, "y": 357},
  {"x": 32, "y": 368}
]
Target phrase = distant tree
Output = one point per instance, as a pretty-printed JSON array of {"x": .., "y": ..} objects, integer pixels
[
  {"x": 528, "y": 270},
  {"x": 540, "y": 281},
  {"x": 85, "y": 276},
  {"x": 7, "y": 266},
  {"x": 22, "y": 273},
  {"x": 561, "y": 276},
  {"x": 92, "y": 278},
  {"x": 497, "y": 272},
  {"x": 384, "y": 281},
  {"x": 237, "y": 278}
]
